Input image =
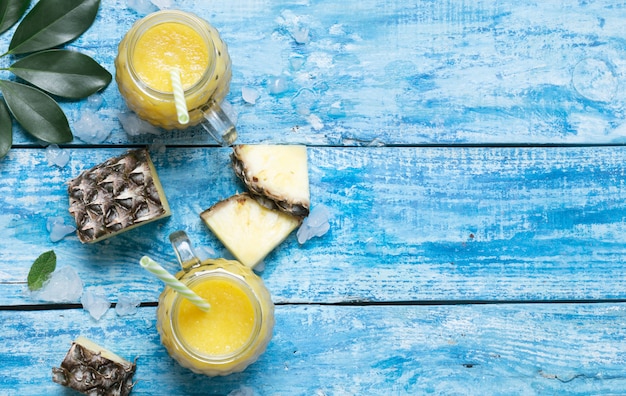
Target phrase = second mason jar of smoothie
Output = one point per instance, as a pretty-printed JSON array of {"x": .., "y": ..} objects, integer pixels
[
  {"x": 233, "y": 332},
  {"x": 159, "y": 43}
]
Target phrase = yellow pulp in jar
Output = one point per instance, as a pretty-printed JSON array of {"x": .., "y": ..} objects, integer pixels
[
  {"x": 167, "y": 46},
  {"x": 225, "y": 327},
  {"x": 153, "y": 46}
]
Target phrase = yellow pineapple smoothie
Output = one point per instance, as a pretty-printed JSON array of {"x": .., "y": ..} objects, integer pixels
[
  {"x": 167, "y": 40},
  {"x": 228, "y": 337},
  {"x": 226, "y": 327},
  {"x": 167, "y": 46}
]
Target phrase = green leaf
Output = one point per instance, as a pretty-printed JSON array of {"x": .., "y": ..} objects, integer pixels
[
  {"x": 41, "y": 269},
  {"x": 10, "y": 12},
  {"x": 51, "y": 23},
  {"x": 6, "y": 130},
  {"x": 36, "y": 112},
  {"x": 64, "y": 73}
]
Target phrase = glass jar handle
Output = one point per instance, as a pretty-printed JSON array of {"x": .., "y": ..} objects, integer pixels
[
  {"x": 184, "y": 251},
  {"x": 218, "y": 125}
]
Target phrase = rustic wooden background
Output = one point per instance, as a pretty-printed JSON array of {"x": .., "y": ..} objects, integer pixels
[{"x": 471, "y": 155}]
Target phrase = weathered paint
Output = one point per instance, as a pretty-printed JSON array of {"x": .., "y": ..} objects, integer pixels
[
  {"x": 399, "y": 72},
  {"x": 407, "y": 223},
  {"x": 452, "y": 350},
  {"x": 412, "y": 114}
]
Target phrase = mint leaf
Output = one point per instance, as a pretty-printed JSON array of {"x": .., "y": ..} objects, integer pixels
[{"x": 41, "y": 269}]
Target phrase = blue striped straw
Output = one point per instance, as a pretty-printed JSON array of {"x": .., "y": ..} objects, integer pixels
[{"x": 170, "y": 280}]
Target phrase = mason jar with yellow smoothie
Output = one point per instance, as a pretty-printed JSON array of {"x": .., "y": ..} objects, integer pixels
[
  {"x": 233, "y": 332},
  {"x": 176, "y": 40}
]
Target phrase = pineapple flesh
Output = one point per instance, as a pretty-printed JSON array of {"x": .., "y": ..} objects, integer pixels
[
  {"x": 93, "y": 370},
  {"x": 249, "y": 230},
  {"x": 115, "y": 196},
  {"x": 276, "y": 175}
]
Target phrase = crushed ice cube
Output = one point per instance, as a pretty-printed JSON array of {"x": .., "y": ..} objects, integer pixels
[
  {"x": 95, "y": 302},
  {"x": 225, "y": 253},
  {"x": 57, "y": 156},
  {"x": 90, "y": 128},
  {"x": 260, "y": 267},
  {"x": 141, "y": 7},
  {"x": 51, "y": 221},
  {"x": 304, "y": 101},
  {"x": 158, "y": 147},
  {"x": 276, "y": 85},
  {"x": 126, "y": 306},
  {"x": 135, "y": 126},
  {"x": 64, "y": 285},
  {"x": 205, "y": 252},
  {"x": 95, "y": 101},
  {"x": 242, "y": 391},
  {"x": 315, "y": 225},
  {"x": 315, "y": 121},
  {"x": 336, "y": 30},
  {"x": 296, "y": 61},
  {"x": 296, "y": 25},
  {"x": 58, "y": 229},
  {"x": 337, "y": 110},
  {"x": 318, "y": 217},
  {"x": 162, "y": 4},
  {"x": 249, "y": 94},
  {"x": 301, "y": 34},
  {"x": 376, "y": 142},
  {"x": 320, "y": 87},
  {"x": 370, "y": 246}
]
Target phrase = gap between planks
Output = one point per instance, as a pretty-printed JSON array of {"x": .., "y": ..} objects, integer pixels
[{"x": 65, "y": 306}]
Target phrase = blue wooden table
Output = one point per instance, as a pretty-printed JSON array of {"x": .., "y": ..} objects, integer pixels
[{"x": 472, "y": 158}]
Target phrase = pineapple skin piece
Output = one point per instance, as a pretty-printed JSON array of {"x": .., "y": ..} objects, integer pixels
[
  {"x": 249, "y": 230},
  {"x": 276, "y": 175},
  {"x": 93, "y": 370},
  {"x": 115, "y": 196}
]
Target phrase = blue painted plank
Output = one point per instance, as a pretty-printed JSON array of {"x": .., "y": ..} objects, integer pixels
[
  {"x": 406, "y": 224},
  {"x": 397, "y": 72},
  {"x": 416, "y": 224},
  {"x": 402, "y": 350}
]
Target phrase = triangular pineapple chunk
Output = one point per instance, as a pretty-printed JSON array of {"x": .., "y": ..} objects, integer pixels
[
  {"x": 275, "y": 174},
  {"x": 249, "y": 230}
]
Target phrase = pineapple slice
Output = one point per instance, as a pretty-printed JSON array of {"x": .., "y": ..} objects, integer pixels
[
  {"x": 93, "y": 370},
  {"x": 115, "y": 196},
  {"x": 276, "y": 175},
  {"x": 249, "y": 230}
]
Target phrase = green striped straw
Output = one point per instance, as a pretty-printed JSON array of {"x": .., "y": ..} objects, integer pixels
[
  {"x": 179, "y": 97},
  {"x": 171, "y": 281}
]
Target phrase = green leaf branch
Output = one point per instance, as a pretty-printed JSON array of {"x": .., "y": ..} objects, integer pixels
[{"x": 47, "y": 70}]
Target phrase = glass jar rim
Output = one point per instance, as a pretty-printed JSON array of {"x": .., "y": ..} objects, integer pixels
[
  {"x": 198, "y": 24},
  {"x": 219, "y": 273}
]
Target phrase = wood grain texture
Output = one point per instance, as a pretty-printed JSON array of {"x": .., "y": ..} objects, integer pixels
[
  {"x": 407, "y": 224},
  {"x": 452, "y": 350},
  {"x": 397, "y": 72},
  {"x": 471, "y": 155}
]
